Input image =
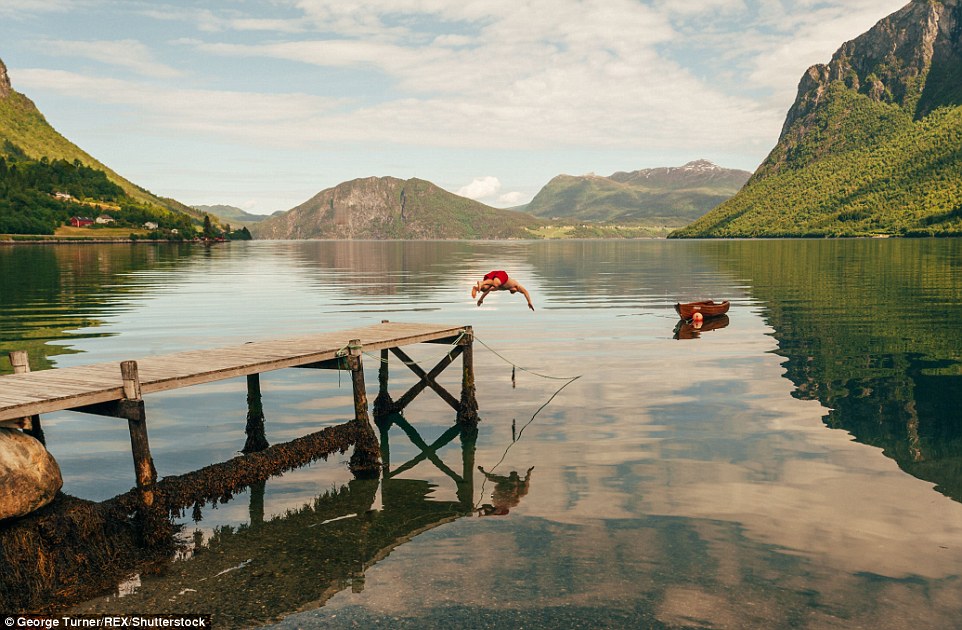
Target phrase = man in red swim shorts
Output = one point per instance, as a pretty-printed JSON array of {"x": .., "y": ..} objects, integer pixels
[{"x": 499, "y": 281}]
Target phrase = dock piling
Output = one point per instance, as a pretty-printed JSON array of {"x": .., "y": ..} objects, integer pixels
[
  {"x": 365, "y": 462},
  {"x": 144, "y": 469},
  {"x": 383, "y": 404},
  {"x": 469, "y": 442},
  {"x": 21, "y": 365},
  {"x": 256, "y": 439},
  {"x": 468, "y": 407}
]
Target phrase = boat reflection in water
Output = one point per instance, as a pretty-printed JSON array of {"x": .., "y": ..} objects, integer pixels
[{"x": 692, "y": 330}]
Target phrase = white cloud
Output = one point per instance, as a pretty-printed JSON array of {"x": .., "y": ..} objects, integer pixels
[
  {"x": 249, "y": 116},
  {"x": 807, "y": 36},
  {"x": 207, "y": 20},
  {"x": 330, "y": 53},
  {"x": 480, "y": 188},
  {"x": 125, "y": 53},
  {"x": 18, "y": 8},
  {"x": 511, "y": 199},
  {"x": 701, "y": 7},
  {"x": 536, "y": 74}
]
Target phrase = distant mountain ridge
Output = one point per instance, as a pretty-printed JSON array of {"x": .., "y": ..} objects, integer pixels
[
  {"x": 231, "y": 214},
  {"x": 670, "y": 196},
  {"x": 391, "y": 208},
  {"x": 871, "y": 145}
]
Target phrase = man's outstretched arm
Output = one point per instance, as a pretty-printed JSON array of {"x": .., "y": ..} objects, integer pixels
[{"x": 526, "y": 295}]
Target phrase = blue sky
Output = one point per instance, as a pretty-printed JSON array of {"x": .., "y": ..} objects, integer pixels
[{"x": 261, "y": 104}]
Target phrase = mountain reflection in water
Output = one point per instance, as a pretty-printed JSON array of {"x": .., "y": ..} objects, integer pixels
[{"x": 871, "y": 331}]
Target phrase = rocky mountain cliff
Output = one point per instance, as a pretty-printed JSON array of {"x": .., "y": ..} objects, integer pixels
[
  {"x": 910, "y": 60},
  {"x": 4, "y": 81},
  {"x": 671, "y": 196},
  {"x": 391, "y": 208},
  {"x": 872, "y": 144}
]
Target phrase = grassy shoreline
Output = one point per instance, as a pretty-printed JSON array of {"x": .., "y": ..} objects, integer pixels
[{"x": 567, "y": 232}]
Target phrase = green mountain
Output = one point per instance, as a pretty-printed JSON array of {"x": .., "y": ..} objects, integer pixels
[
  {"x": 390, "y": 208},
  {"x": 231, "y": 214},
  {"x": 872, "y": 144},
  {"x": 38, "y": 162},
  {"x": 659, "y": 196}
]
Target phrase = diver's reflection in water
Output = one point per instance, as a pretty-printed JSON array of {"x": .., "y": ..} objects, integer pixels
[
  {"x": 508, "y": 490},
  {"x": 507, "y": 493}
]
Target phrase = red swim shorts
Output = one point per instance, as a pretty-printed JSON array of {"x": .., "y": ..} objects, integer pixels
[{"x": 500, "y": 275}]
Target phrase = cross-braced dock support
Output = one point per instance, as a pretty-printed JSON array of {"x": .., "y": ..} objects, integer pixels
[
  {"x": 430, "y": 452},
  {"x": 466, "y": 407}
]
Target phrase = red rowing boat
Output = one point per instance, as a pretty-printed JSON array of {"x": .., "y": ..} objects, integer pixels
[{"x": 707, "y": 308}]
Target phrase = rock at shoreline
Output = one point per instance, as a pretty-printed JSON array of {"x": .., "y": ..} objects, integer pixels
[{"x": 29, "y": 475}]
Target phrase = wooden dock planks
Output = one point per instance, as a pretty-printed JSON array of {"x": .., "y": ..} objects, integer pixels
[{"x": 67, "y": 388}]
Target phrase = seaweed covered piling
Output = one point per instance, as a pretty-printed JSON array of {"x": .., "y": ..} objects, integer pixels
[
  {"x": 74, "y": 549},
  {"x": 256, "y": 438},
  {"x": 219, "y": 482}
]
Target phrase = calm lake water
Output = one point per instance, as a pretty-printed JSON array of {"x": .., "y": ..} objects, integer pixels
[{"x": 799, "y": 467}]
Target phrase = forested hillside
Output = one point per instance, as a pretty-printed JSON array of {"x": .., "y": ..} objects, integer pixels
[{"x": 38, "y": 163}]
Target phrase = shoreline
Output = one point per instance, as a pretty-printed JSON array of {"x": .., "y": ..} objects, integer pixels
[
  {"x": 89, "y": 241},
  {"x": 62, "y": 241}
]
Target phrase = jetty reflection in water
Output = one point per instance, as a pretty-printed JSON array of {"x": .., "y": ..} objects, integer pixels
[{"x": 258, "y": 573}]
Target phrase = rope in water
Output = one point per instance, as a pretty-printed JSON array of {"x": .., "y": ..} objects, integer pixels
[
  {"x": 343, "y": 351},
  {"x": 518, "y": 437},
  {"x": 568, "y": 381},
  {"x": 524, "y": 369}
]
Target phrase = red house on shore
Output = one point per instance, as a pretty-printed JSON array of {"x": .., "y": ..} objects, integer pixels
[{"x": 81, "y": 221}]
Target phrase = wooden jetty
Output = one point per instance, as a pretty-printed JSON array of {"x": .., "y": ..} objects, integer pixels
[{"x": 117, "y": 389}]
